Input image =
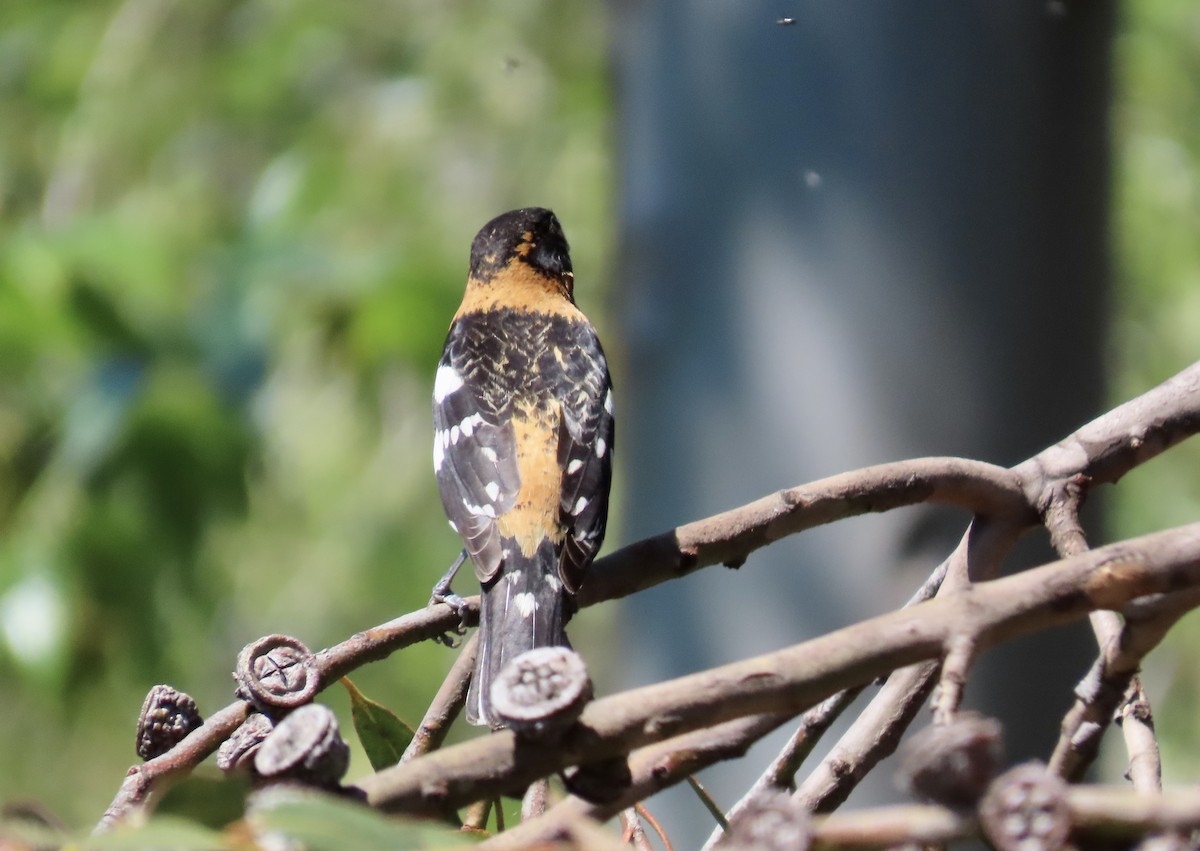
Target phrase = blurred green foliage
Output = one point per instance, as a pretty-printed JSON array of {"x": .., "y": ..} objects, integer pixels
[
  {"x": 231, "y": 238},
  {"x": 1157, "y": 232}
]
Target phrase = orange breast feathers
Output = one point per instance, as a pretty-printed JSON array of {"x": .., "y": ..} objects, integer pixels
[
  {"x": 535, "y": 515},
  {"x": 518, "y": 286}
]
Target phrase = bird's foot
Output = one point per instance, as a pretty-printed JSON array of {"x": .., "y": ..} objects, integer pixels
[{"x": 445, "y": 595}]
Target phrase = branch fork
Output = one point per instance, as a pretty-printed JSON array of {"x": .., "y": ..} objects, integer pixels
[{"x": 658, "y": 735}]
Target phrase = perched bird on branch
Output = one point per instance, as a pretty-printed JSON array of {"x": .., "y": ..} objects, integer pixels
[{"x": 523, "y": 412}]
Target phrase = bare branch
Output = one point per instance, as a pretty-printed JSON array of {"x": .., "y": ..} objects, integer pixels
[
  {"x": 1008, "y": 500},
  {"x": 781, "y": 773},
  {"x": 145, "y": 783},
  {"x": 1100, "y": 812},
  {"x": 883, "y": 827},
  {"x": 956, "y": 666},
  {"x": 446, "y": 705},
  {"x": 652, "y": 769},
  {"x": 950, "y": 480},
  {"x": 1120, "y": 810},
  {"x": 1137, "y": 724},
  {"x": 1129, "y": 435},
  {"x": 633, "y": 833},
  {"x": 1112, "y": 682},
  {"x": 729, "y": 538},
  {"x": 794, "y": 679},
  {"x": 1061, "y": 516},
  {"x": 877, "y": 731},
  {"x": 1101, "y": 451}
]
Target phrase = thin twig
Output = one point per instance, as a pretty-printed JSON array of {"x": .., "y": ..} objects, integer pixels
[
  {"x": 446, "y": 705},
  {"x": 903, "y": 826},
  {"x": 780, "y": 775},
  {"x": 632, "y": 832},
  {"x": 535, "y": 800},
  {"x": 476, "y": 817},
  {"x": 729, "y": 538},
  {"x": 1113, "y": 676},
  {"x": 652, "y": 768},
  {"x": 1101, "y": 451},
  {"x": 1099, "y": 813},
  {"x": 793, "y": 679},
  {"x": 1137, "y": 726},
  {"x": 709, "y": 804},
  {"x": 930, "y": 586},
  {"x": 873, "y": 736},
  {"x": 1061, "y": 516},
  {"x": 877, "y": 731},
  {"x": 145, "y": 783},
  {"x": 655, "y": 826},
  {"x": 1107, "y": 813}
]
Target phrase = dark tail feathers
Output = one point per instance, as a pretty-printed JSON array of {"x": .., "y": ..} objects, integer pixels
[{"x": 522, "y": 608}]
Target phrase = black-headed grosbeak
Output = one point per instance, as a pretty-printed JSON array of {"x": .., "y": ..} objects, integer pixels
[{"x": 523, "y": 412}]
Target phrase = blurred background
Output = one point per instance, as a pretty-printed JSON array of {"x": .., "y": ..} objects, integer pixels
[{"x": 232, "y": 235}]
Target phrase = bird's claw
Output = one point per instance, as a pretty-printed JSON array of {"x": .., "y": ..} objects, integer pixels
[{"x": 445, "y": 595}]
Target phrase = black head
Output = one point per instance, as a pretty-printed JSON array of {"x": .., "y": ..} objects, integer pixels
[{"x": 531, "y": 234}]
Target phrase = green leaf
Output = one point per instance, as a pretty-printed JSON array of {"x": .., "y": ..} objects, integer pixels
[
  {"x": 319, "y": 822},
  {"x": 27, "y": 833},
  {"x": 383, "y": 735},
  {"x": 159, "y": 832}
]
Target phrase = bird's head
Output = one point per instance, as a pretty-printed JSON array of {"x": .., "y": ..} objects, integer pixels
[{"x": 531, "y": 236}]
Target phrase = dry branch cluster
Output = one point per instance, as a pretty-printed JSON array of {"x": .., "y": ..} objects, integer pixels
[{"x": 659, "y": 735}]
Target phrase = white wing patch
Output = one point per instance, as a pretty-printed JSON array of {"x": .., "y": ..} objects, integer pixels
[
  {"x": 468, "y": 424},
  {"x": 477, "y": 510},
  {"x": 445, "y": 382},
  {"x": 525, "y": 603}
]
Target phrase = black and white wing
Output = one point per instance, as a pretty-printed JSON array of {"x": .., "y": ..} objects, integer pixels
[
  {"x": 474, "y": 457},
  {"x": 585, "y": 450}
]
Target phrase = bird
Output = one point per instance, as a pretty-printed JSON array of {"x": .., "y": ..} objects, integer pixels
[{"x": 523, "y": 441}]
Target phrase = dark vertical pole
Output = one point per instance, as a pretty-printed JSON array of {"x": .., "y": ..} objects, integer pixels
[{"x": 877, "y": 232}]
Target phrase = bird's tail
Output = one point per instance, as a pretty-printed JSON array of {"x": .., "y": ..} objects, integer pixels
[{"x": 523, "y": 607}]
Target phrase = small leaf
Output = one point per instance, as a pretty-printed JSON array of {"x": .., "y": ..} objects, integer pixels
[
  {"x": 29, "y": 833},
  {"x": 383, "y": 735},
  {"x": 159, "y": 832},
  {"x": 321, "y": 822}
]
